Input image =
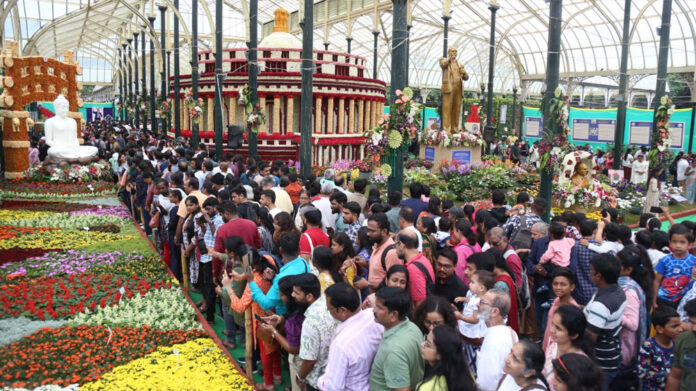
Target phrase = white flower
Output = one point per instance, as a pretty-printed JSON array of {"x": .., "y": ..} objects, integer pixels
[
  {"x": 567, "y": 204},
  {"x": 598, "y": 202},
  {"x": 376, "y": 138}
]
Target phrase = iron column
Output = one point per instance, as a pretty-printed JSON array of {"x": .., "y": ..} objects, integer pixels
[
  {"x": 398, "y": 82},
  {"x": 490, "y": 129},
  {"x": 552, "y": 68},
  {"x": 622, "y": 98},
  {"x": 137, "y": 82},
  {"x": 253, "y": 71},
  {"x": 163, "y": 74},
  {"x": 177, "y": 88},
  {"x": 374, "y": 55},
  {"x": 153, "y": 120},
  {"x": 130, "y": 75},
  {"x": 307, "y": 77},
  {"x": 219, "y": 76},
  {"x": 514, "y": 107},
  {"x": 194, "y": 67},
  {"x": 348, "y": 42},
  {"x": 663, "y": 56},
  {"x": 143, "y": 59}
]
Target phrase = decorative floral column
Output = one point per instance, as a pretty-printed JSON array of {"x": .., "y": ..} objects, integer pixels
[{"x": 341, "y": 114}]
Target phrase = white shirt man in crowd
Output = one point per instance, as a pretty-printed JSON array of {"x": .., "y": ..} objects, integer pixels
[
  {"x": 354, "y": 343},
  {"x": 497, "y": 342}
]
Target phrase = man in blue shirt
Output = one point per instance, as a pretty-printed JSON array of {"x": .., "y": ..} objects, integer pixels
[
  {"x": 415, "y": 202},
  {"x": 293, "y": 265},
  {"x": 580, "y": 257}
]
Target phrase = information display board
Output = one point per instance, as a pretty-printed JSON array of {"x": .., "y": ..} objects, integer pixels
[
  {"x": 533, "y": 127},
  {"x": 593, "y": 130},
  {"x": 640, "y": 133},
  {"x": 676, "y": 130}
]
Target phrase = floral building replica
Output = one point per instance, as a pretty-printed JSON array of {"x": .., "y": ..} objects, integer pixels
[{"x": 346, "y": 101}]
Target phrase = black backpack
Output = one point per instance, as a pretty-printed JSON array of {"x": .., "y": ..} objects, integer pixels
[
  {"x": 523, "y": 237},
  {"x": 384, "y": 256}
]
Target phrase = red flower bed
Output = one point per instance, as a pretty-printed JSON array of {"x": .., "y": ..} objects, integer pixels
[
  {"x": 60, "y": 298},
  {"x": 15, "y": 254},
  {"x": 39, "y": 206},
  {"x": 9, "y": 231},
  {"x": 68, "y": 355},
  {"x": 58, "y": 188}
]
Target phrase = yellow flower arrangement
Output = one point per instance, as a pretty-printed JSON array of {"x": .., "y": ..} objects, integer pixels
[
  {"x": 62, "y": 239},
  {"x": 594, "y": 215},
  {"x": 199, "y": 365},
  {"x": 18, "y": 214}
]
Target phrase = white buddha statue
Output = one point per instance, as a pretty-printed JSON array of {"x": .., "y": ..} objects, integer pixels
[{"x": 61, "y": 134}]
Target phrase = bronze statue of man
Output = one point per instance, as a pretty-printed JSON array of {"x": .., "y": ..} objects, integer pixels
[{"x": 452, "y": 75}]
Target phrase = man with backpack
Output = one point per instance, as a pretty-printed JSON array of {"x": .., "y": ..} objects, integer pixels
[
  {"x": 384, "y": 253},
  {"x": 522, "y": 224},
  {"x": 420, "y": 270}
]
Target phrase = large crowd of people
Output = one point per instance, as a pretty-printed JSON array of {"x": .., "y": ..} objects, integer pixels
[{"x": 355, "y": 289}]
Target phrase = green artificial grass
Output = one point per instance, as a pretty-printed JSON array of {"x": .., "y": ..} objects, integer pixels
[
  {"x": 138, "y": 244},
  {"x": 630, "y": 218},
  {"x": 239, "y": 352}
]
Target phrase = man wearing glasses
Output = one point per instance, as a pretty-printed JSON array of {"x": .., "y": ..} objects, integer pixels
[
  {"x": 447, "y": 284},
  {"x": 497, "y": 341}
]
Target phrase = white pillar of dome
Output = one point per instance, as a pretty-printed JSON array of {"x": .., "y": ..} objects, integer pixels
[
  {"x": 290, "y": 115},
  {"x": 368, "y": 112},
  {"x": 262, "y": 105},
  {"x": 330, "y": 117},
  {"x": 341, "y": 115},
  {"x": 317, "y": 115},
  {"x": 351, "y": 115},
  {"x": 361, "y": 107},
  {"x": 276, "y": 114},
  {"x": 211, "y": 115},
  {"x": 231, "y": 117}
]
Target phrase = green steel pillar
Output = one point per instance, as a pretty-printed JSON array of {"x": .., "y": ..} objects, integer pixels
[
  {"x": 219, "y": 76},
  {"x": 124, "y": 82},
  {"x": 143, "y": 59},
  {"x": 163, "y": 54},
  {"x": 253, "y": 70},
  {"x": 120, "y": 84},
  {"x": 514, "y": 108},
  {"x": 153, "y": 90},
  {"x": 135, "y": 78},
  {"x": 348, "y": 42},
  {"x": 130, "y": 74},
  {"x": 622, "y": 98},
  {"x": 552, "y": 70},
  {"x": 307, "y": 76},
  {"x": 693, "y": 118},
  {"x": 490, "y": 129},
  {"x": 374, "y": 54},
  {"x": 177, "y": 71},
  {"x": 194, "y": 66},
  {"x": 399, "y": 63},
  {"x": 663, "y": 56}
]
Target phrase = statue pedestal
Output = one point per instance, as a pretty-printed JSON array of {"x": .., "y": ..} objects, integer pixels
[
  {"x": 436, "y": 154},
  {"x": 58, "y": 162}
]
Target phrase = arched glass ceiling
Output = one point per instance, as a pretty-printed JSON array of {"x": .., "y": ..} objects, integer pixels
[{"x": 591, "y": 40}]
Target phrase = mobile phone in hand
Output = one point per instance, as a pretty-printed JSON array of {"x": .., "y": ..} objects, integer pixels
[{"x": 655, "y": 209}]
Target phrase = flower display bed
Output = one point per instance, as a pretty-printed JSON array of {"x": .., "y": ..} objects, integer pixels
[{"x": 72, "y": 317}]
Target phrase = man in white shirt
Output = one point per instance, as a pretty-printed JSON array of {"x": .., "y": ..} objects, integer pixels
[
  {"x": 282, "y": 199},
  {"x": 355, "y": 341},
  {"x": 328, "y": 220},
  {"x": 267, "y": 199},
  {"x": 498, "y": 340},
  {"x": 682, "y": 165}
]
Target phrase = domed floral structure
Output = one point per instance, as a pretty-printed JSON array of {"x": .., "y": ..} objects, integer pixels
[{"x": 346, "y": 102}]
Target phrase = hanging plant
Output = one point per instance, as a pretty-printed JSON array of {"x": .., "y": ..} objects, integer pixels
[
  {"x": 195, "y": 107},
  {"x": 661, "y": 136},
  {"x": 143, "y": 106},
  {"x": 255, "y": 117},
  {"x": 163, "y": 107},
  {"x": 555, "y": 144}
]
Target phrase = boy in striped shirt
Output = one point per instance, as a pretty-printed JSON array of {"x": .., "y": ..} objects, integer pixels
[{"x": 604, "y": 313}]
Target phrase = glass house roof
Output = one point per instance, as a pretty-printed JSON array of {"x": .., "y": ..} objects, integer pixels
[{"x": 590, "y": 46}]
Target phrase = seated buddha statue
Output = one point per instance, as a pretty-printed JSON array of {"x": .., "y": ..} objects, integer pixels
[
  {"x": 580, "y": 177},
  {"x": 61, "y": 134}
]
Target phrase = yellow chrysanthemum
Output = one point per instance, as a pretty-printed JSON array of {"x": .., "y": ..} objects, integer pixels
[
  {"x": 386, "y": 170},
  {"x": 408, "y": 92},
  {"x": 394, "y": 139}
]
